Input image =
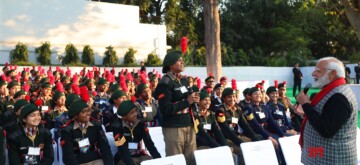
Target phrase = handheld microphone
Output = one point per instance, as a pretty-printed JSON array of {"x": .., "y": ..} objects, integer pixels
[
  {"x": 196, "y": 108},
  {"x": 306, "y": 89}
]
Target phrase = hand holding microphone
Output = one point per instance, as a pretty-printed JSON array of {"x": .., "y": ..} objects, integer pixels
[{"x": 302, "y": 97}]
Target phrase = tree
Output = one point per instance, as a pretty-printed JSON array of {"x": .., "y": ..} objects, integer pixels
[
  {"x": 71, "y": 55},
  {"x": 129, "y": 58},
  {"x": 153, "y": 60},
  {"x": 87, "y": 56},
  {"x": 19, "y": 54},
  {"x": 212, "y": 38},
  {"x": 352, "y": 11},
  {"x": 110, "y": 58},
  {"x": 44, "y": 54}
]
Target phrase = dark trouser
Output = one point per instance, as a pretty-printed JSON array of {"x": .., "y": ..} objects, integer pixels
[
  {"x": 357, "y": 79},
  {"x": 297, "y": 84}
]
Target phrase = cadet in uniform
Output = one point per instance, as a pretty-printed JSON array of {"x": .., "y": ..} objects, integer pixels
[
  {"x": 129, "y": 132},
  {"x": 13, "y": 87},
  {"x": 233, "y": 123},
  {"x": 3, "y": 93},
  {"x": 209, "y": 135},
  {"x": 216, "y": 98},
  {"x": 147, "y": 106},
  {"x": 174, "y": 102},
  {"x": 82, "y": 139},
  {"x": 278, "y": 111},
  {"x": 31, "y": 144},
  {"x": 9, "y": 120},
  {"x": 109, "y": 115}
]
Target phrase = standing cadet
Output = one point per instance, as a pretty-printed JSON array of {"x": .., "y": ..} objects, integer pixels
[
  {"x": 82, "y": 139},
  {"x": 31, "y": 144},
  {"x": 174, "y": 102},
  {"x": 129, "y": 132}
]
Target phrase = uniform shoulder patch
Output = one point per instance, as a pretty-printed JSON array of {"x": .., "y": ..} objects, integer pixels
[
  {"x": 161, "y": 96},
  {"x": 120, "y": 142},
  {"x": 221, "y": 117}
]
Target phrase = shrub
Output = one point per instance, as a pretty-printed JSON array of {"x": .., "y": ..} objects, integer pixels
[
  {"x": 71, "y": 55},
  {"x": 129, "y": 58},
  {"x": 88, "y": 55},
  {"x": 19, "y": 54},
  {"x": 44, "y": 54},
  {"x": 153, "y": 60},
  {"x": 110, "y": 58}
]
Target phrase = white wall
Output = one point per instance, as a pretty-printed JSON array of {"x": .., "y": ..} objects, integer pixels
[{"x": 79, "y": 22}]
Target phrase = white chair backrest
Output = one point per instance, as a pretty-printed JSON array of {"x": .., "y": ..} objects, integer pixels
[
  {"x": 53, "y": 133},
  {"x": 103, "y": 127},
  {"x": 260, "y": 152},
  {"x": 214, "y": 156},
  {"x": 56, "y": 161},
  {"x": 110, "y": 138},
  {"x": 157, "y": 137},
  {"x": 291, "y": 149},
  {"x": 170, "y": 160},
  {"x": 60, "y": 158}
]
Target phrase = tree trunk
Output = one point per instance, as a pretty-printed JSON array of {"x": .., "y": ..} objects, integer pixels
[
  {"x": 353, "y": 14},
  {"x": 212, "y": 38}
]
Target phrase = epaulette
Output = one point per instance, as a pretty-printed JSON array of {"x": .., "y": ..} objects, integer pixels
[{"x": 164, "y": 80}]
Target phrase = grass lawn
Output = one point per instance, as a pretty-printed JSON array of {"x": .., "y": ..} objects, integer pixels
[{"x": 311, "y": 91}]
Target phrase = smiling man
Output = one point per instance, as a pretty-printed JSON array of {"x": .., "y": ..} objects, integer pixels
[{"x": 328, "y": 133}]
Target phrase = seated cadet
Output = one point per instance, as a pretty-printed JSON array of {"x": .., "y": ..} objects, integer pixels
[
  {"x": 45, "y": 95},
  {"x": 262, "y": 115},
  {"x": 109, "y": 115},
  {"x": 247, "y": 99},
  {"x": 216, "y": 98},
  {"x": 128, "y": 132},
  {"x": 233, "y": 123},
  {"x": 83, "y": 139},
  {"x": 30, "y": 144},
  {"x": 13, "y": 87},
  {"x": 9, "y": 120},
  {"x": 209, "y": 134},
  {"x": 58, "y": 111},
  {"x": 19, "y": 95},
  {"x": 278, "y": 111},
  {"x": 2, "y": 146},
  {"x": 101, "y": 99},
  {"x": 296, "y": 120},
  {"x": 147, "y": 106}
]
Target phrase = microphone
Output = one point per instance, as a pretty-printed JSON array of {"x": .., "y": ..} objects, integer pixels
[
  {"x": 306, "y": 89},
  {"x": 196, "y": 108}
]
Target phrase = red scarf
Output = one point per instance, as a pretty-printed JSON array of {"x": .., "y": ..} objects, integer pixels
[{"x": 316, "y": 100}]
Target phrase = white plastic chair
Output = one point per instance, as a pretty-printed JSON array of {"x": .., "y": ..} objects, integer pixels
[
  {"x": 60, "y": 158},
  {"x": 110, "y": 138},
  {"x": 358, "y": 145},
  {"x": 103, "y": 127},
  {"x": 291, "y": 149},
  {"x": 260, "y": 152},
  {"x": 214, "y": 156},
  {"x": 53, "y": 133},
  {"x": 157, "y": 137},
  {"x": 170, "y": 160}
]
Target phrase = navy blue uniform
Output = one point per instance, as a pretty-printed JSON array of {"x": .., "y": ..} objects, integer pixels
[{"x": 278, "y": 112}]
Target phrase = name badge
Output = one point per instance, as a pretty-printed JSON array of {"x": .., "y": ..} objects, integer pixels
[
  {"x": 278, "y": 112},
  {"x": 34, "y": 151},
  {"x": 183, "y": 89},
  {"x": 84, "y": 142},
  {"x": 207, "y": 126},
  {"x": 133, "y": 146},
  {"x": 262, "y": 115},
  {"x": 148, "y": 109},
  {"x": 234, "y": 120},
  {"x": 44, "y": 108}
]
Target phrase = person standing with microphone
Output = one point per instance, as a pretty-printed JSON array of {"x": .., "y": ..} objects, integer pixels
[
  {"x": 174, "y": 102},
  {"x": 328, "y": 132}
]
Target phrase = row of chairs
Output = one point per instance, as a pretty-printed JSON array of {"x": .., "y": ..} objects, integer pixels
[{"x": 261, "y": 152}]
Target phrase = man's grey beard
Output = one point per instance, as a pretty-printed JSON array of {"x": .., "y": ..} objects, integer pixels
[{"x": 322, "y": 81}]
